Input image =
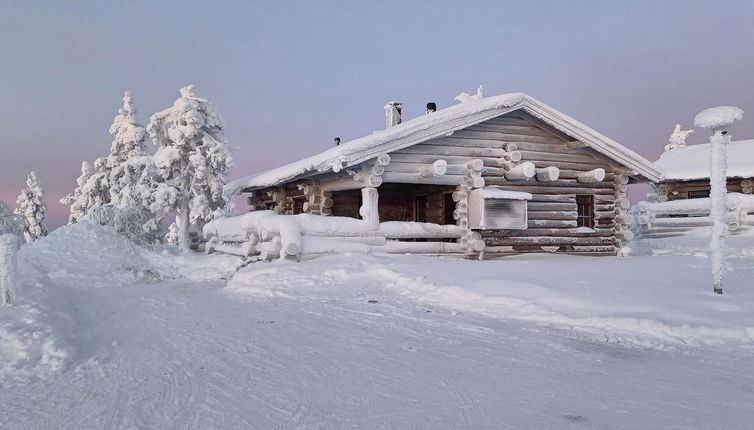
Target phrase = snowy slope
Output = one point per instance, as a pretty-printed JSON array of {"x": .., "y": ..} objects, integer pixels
[
  {"x": 108, "y": 335},
  {"x": 692, "y": 162}
]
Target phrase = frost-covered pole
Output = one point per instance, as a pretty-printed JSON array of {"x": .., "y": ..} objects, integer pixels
[
  {"x": 8, "y": 260},
  {"x": 718, "y": 119}
]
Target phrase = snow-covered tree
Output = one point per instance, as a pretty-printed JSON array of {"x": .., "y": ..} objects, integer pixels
[
  {"x": 193, "y": 160},
  {"x": 32, "y": 209},
  {"x": 677, "y": 138},
  {"x": 10, "y": 232},
  {"x": 128, "y": 143},
  {"x": 73, "y": 200},
  {"x": 92, "y": 190},
  {"x": 94, "y": 187},
  {"x": 171, "y": 236}
]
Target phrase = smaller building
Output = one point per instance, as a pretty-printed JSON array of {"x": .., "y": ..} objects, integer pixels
[{"x": 686, "y": 171}]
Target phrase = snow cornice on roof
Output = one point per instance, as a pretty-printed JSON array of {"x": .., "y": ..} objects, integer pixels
[{"x": 438, "y": 124}]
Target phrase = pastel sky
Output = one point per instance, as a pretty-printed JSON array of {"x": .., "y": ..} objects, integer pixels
[{"x": 289, "y": 76}]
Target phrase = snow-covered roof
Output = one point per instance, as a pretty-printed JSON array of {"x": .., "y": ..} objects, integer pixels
[
  {"x": 692, "y": 162},
  {"x": 439, "y": 124}
]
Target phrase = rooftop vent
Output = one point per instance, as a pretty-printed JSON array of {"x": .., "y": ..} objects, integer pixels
[{"x": 393, "y": 111}]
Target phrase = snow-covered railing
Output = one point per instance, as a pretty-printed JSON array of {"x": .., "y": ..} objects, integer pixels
[
  {"x": 266, "y": 235},
  {"x": 678, "y": 216}
]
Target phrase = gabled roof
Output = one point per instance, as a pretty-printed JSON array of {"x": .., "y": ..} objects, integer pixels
[
  {"x": 438, "y": 124},
  {"x": 692, "y": 162}
]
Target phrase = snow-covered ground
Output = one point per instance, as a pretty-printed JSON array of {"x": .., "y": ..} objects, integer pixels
[{"x": 107, "y": 335}]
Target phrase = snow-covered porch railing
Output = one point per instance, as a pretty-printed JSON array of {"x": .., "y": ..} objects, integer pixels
[
  {"x": 677, "y": 216},
  {"x": 267, "y": 235}
]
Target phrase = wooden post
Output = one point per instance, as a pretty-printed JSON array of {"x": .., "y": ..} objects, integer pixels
[{"x": 369, "y": 210}]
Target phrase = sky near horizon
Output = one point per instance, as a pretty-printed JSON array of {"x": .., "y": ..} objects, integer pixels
[{"x": 289, "y": 76}]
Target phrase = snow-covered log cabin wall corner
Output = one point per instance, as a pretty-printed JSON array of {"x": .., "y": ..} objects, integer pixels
[{"x": 576, "y": 190}]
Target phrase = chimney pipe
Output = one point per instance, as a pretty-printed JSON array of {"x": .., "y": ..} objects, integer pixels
[
  {"x": 431, "y": 107},
  {"x": 393, "y": 113}
]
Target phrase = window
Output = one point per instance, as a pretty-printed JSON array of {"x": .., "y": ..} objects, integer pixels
[
  {"x": 585, "y": 210},
  {"x": 698, "y": 194}
]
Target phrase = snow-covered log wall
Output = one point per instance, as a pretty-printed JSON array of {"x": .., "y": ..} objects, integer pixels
[{"x": 673, "y": 218}]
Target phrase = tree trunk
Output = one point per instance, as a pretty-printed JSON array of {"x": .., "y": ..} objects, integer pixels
[{"x": 183, "y": 226}]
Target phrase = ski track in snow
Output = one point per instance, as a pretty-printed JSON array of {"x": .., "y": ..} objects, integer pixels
[{"x": 197, "y": 356}]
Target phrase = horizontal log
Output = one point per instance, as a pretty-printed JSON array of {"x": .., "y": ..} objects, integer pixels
[
  {"x": 568, "y": 198},
  {"x": 550, "y": 188},
  {"x": 543, "y": 223},
  {"x": 543, "y": 156},
  {"x": 548, "y": 206},
  {"x": 465, "y": 151},
  {"x": 550, "y": 240},
  {"x": 411, "y": 178},
  {"x": 524, "y": 170},
  {"x": 594, "y": 175},
  {"x": 470, "y": 143},
  {"x": 553, "y": 214},
  {"x": 505, "y": 137},
  {"x": 526, "y": 130},
  {"x": 558, "y": 232},
  {"x": 548, "y": 174},
  {"x": 451, "y": 159}
]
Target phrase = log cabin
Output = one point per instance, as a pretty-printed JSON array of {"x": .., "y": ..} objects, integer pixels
[
  {"x": 508, "y": 173},
  {"x": 686, "y": 171}
]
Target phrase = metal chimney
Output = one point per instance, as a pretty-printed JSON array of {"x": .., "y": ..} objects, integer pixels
[{"x": 393, "y": 113}]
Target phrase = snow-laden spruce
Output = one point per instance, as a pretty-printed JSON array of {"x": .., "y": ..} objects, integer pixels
[
  {"x": 32, "y": 209},
  {"x": 106, "y": 182},
  {"x": 193, "y": 160},
  {"x": 129, "y": 142}
]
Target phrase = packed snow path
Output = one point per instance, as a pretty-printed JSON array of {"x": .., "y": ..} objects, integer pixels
[{"x": 196, "y": 355}]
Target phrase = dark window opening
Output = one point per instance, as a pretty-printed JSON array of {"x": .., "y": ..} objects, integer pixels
[
  {"x": 698, "y": 194},
  {"x": 420, "y": 208},
  {"x": 585, "y": 211},
  {"x": 449, "y": 207}
]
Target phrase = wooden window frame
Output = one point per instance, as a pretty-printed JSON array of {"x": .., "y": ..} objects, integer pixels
[{"x": 585, "y": 210}]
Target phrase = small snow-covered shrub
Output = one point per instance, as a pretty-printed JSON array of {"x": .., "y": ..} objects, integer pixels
[
  {"x": 8, "y": 262},
  {"x": 135, "y": 223},
  {"x": 32, "y": 209}
]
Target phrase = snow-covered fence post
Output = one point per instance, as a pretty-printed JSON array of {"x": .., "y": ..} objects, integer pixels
[
  {"x": 8, "y": 260},
  {"x": 718, "y": 119}
]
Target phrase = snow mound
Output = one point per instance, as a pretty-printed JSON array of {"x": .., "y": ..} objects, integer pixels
[
  {"x": 40, "y": 334},
  {"x": 718, "y": 117},
  {"x": 86, "y": 254}
]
